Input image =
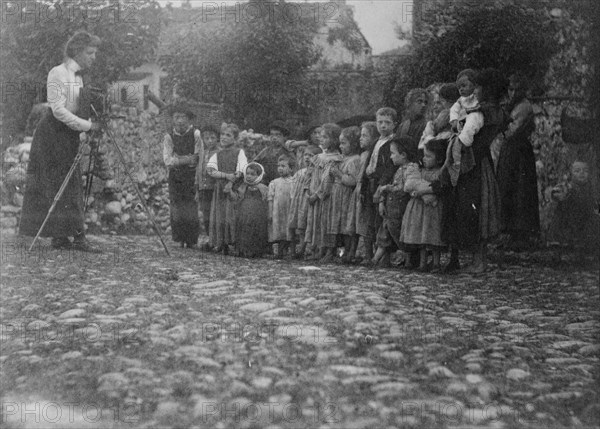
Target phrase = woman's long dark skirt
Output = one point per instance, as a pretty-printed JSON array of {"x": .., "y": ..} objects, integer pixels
[
  {"x": 53, "y": 151},
  {"x": 185, "y": 223},
  {"x": 517, "y": 180}
]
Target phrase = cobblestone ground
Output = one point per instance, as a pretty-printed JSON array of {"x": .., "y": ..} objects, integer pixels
[{"x": 133, "y": 338}]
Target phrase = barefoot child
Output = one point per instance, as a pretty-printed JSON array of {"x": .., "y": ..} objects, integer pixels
[
  {"x": 280, "y": 198},
  {"x": 299, "y": 205},
  {"x": 422, "y": 221},
  {"x": 393, "y": 201},
  {"x": 338, "y": 210}
]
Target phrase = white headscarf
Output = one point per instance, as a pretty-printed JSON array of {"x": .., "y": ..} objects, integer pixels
[{"x": 260, "y": 176}]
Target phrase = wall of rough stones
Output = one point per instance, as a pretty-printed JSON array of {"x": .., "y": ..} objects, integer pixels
[
  {"x": 568, "y": 84},
  {"x": 113, "y": 206},
  {"x": 554, "y": 156}
]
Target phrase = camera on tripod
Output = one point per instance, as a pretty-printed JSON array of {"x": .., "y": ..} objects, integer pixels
[
  {"x": 95, "y": 104},
  {"x": 96, "y": 97}
]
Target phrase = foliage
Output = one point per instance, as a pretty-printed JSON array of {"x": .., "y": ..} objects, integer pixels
[
  {"x": 555, "y": 42},
  {"x": 347, "y": 32},
  {"x": 33, "y": 38},
  {"x": 509, "y": 37},
  {"x": 255, "y": 67}
]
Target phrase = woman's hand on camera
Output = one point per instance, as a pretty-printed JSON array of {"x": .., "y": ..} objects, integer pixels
[{"x": 96, "y": 126}]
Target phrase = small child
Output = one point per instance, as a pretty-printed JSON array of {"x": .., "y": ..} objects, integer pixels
[
  {"x": 269, "y": 156},
  {"x": 440, "y": 127},
  {"x": 182, "y": 150},
  {"x": 320, "y": 188},
  {"x": 299, "y": 205},
  {"x": 314, "y": 136},
  {"x": 338, "y": 219},
  {"x": 251, "y": 217},
  {"x": 576, "y": 219},
  {"x": 393, "y": 201},
  {"x": 206, "y": 184},
  {"x": 280, "y": 198},
  {"x": 422, "y": 221},
  {"x": 310, "y": 139},
  {"x": 467, "y": 103},
  {"x": 365, "y": 207},
  {"x": 226, "y": 167}
]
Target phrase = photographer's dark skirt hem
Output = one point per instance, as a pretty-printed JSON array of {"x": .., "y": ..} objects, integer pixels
[{"x": 53, "y": 150}]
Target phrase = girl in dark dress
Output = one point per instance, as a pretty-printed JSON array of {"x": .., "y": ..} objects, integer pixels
[
  {"x": 252, "y": 236},
  {"x": 54, "y": 148},
  {"x": 226, "y": 167}
]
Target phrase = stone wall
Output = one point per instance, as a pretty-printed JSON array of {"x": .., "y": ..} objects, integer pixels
[
  {"x": 113, "y": 206},
  {"x": 554, "y": 156}
]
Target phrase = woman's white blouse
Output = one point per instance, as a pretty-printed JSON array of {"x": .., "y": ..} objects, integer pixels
[
  {"x": 62, "y": 92},
  {"x": 473, "y": 124}
]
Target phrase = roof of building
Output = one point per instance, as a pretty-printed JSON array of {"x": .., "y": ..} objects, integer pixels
[
  {"x": 402, "y": 50},
  {"x": 211, "y": 15}
]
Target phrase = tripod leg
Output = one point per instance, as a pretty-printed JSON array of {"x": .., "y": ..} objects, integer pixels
[
  {"x": 90, "y": 175},
  {"x": 61, "y": 190},
  {"x": 139, "y": 194}
]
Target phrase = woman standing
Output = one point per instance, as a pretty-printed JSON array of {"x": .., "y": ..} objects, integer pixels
[
  {"x": 472, "y": 215},
  {"x": 517, "y": 179},
  {"x": 54, "y": 148}
]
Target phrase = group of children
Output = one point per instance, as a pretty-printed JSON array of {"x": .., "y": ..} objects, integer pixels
[
  {"x": 330, "y": 191},
  {"x": 309, "y": 199}
]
